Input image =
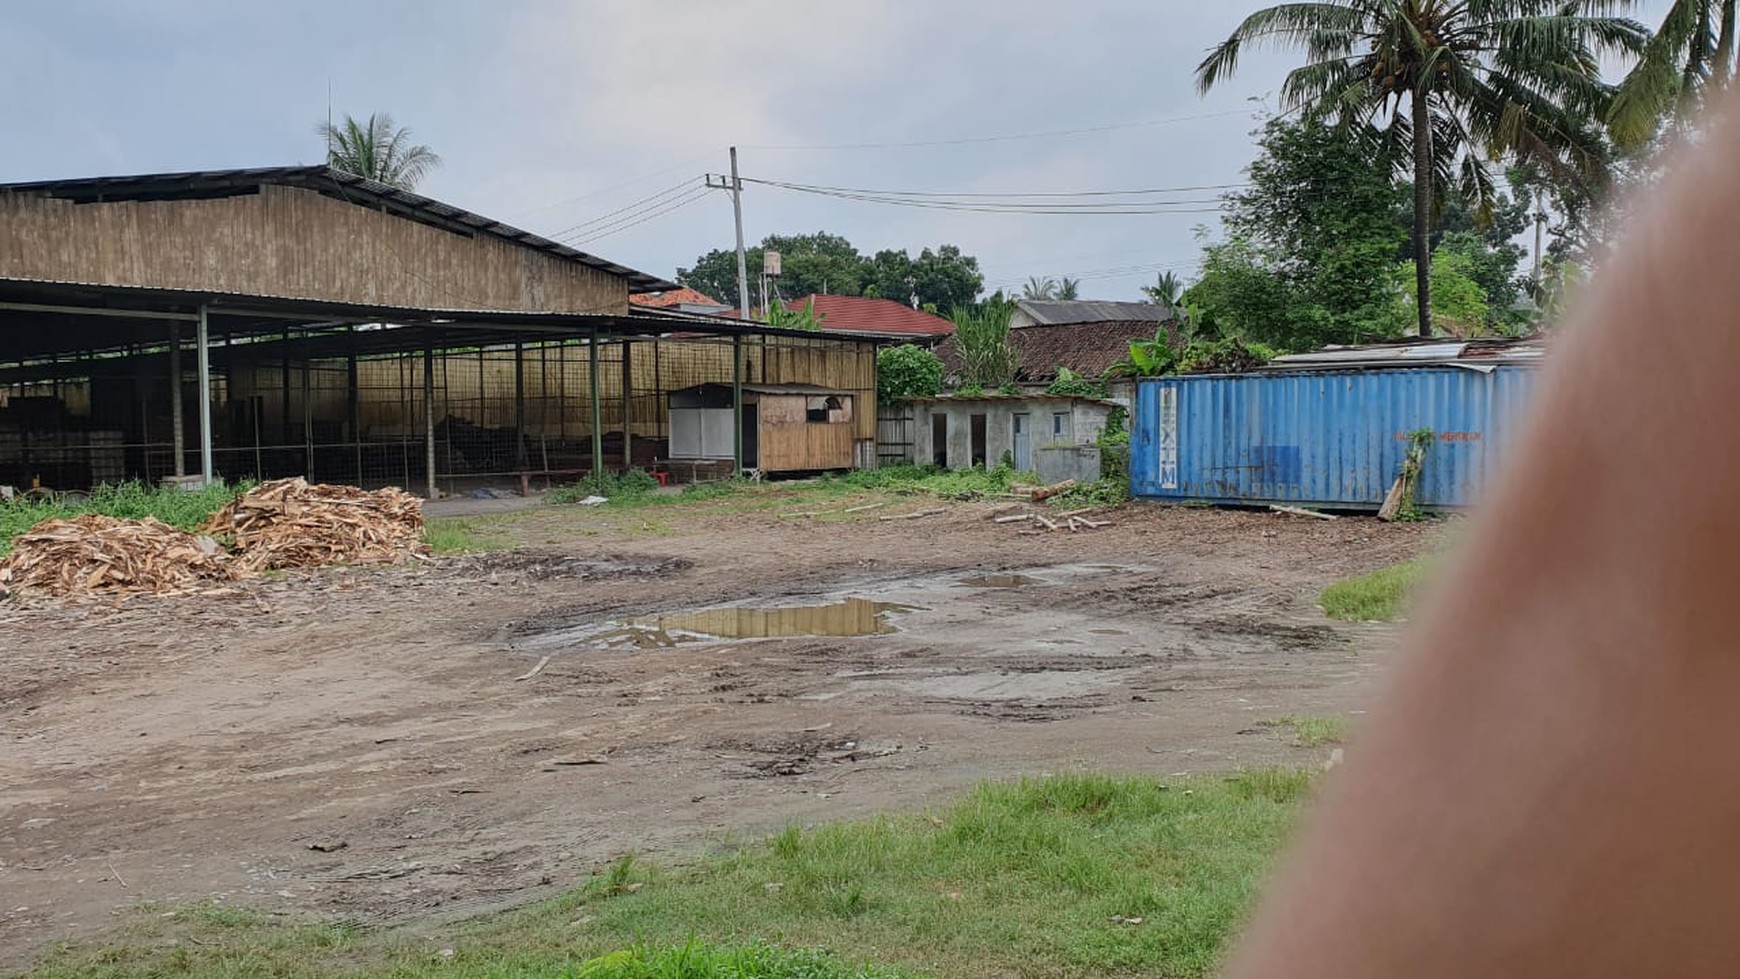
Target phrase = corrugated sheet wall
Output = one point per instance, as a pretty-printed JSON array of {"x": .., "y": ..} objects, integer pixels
[{"x": 1322, "y": 438}]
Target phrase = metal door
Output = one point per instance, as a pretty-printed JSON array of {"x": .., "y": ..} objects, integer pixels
[{"x": 1023, "y": 438}]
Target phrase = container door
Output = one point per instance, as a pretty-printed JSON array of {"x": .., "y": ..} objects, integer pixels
[{"x": 1023, "y": 441}]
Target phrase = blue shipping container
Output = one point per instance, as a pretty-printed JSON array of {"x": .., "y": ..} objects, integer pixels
[{"x": 1323, "y": 438}]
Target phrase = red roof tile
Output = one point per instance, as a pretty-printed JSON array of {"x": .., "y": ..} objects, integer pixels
[
  {"x": 862, "y": 314},
  {"x": 673, "y": 297}
]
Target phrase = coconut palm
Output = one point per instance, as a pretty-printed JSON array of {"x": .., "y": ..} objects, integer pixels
[
  {"x": 1068, "y": 289},
  {"x": 1037, "y": 288},
  {"x": 1441, "y": 86},
  {"x": 1691, "y": 54},
  {"x": 377, "y": 149},
  {"x": 1167, "y": 290}
]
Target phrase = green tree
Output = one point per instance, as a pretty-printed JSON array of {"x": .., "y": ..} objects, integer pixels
[
  {"x": 942, "y": 278},
  {"x": 1441, "y": 86},
  {"x": 907, "y": 371},
  {"x": 377, "y": 149},
  {"x": 1068, "y": 289},
  {"x": 828, "y": 264},
  {"x": 1167, "y": 290},
  {"x": 1459, "y": 303},
  {"x": 1312, "y": 255},
  {"x": 1039, "y": 289},
  {"x": 1690, "y": 55}
]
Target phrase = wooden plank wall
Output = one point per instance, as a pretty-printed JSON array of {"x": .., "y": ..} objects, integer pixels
[
  {"x": 789, "y": 443},
  {"x": 294, "y": 242}
]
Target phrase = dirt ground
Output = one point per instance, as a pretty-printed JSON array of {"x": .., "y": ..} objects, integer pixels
[{"x": 367, "y": 745}]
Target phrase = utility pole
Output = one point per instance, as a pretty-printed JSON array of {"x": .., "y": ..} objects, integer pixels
[{"x": 735, "y": 186}]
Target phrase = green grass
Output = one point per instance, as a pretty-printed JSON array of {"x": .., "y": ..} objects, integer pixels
[
  {"x": 636, "y": 490},
  {"x": 695, "y": 960},
  {"x": 185, "y": 509},
  {"x": 1380, "y": 596},
  {"x": 1314, "y": 732},
  {"x": 465, "y": 535},
  {"x": 1074, "y": 875}
]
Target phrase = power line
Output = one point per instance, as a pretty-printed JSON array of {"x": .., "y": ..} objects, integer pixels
[
  {"x": 643, "y": 178},
  {"x": 967, "y": 195},
  {"x": 1185, "y": 206},
  {"x": 1013, "y": 137},
  {"x": 645, "y": 203},
  {"x": 697, "y": 194}
]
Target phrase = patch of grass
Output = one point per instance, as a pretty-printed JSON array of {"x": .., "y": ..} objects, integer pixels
[
  {"x": 1379, "y": 596},
  {"x": 1073, "y": 875},
  {"x": 695, "y": 960},
  {"x": 464, "y": 535},
  {"x": 619, "y": 488},
  {"x": 1314, "y": 732},
  {"x": 186, "y": 509}
]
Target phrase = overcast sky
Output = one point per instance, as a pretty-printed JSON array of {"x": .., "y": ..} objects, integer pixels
[{"x": 553, "y": 113}]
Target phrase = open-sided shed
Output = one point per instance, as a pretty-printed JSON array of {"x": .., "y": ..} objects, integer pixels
[{"x": 298, "y": 321}]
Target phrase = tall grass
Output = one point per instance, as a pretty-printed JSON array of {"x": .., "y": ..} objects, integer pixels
[
  {"x": 181, "y": 508},
  {"x": 988, "y": 359}
]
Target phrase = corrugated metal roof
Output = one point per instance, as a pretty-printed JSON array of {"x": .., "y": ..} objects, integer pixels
[
  {"x": 327, "y": 181},
  {"x": 1046, "y": 312},
  {"x": 1479, "y": 354}
]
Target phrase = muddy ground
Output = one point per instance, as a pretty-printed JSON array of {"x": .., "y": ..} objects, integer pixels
[{"x": 367, "y": 744}]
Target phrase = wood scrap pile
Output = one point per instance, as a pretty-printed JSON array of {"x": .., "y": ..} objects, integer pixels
[
  {"x": 97, "y": 555},
  {"x": 1036, "y": 494},
  {"x": 289, "y": 523},
  {"x": 1038, "y": 523}
]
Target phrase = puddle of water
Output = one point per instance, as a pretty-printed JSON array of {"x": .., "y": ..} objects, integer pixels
[
  {"x": 999, "y": 581},
  {"x": 851, "y": 617}
]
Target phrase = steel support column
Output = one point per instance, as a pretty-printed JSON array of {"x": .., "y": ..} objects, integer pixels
[{"x": 203, "y": 344}]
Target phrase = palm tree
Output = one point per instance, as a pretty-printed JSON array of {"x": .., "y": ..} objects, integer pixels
[
  {"x": 1069, "y": 289},
  {"x": 1167, "y": 290},
  {"x": 1452, "y": 82},
  {"x": 1037, "y": 288},
  {"x": 1691, "y": 54},
  {"x": 377, "y": 149}
]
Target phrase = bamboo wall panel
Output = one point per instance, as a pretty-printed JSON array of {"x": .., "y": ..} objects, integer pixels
[
  {"x": 292, "y": 242},
  {"x": 478, "y": 386}
]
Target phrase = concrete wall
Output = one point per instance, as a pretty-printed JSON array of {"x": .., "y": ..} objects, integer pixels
[
  {"x": 1085, "y": 421},
  {"x": 1056, "y": 463}
]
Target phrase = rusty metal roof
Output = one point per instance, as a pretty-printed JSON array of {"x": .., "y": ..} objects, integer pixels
[
  {"x": 203, "y": 184},
  {"x": 1476, "y": 354}
]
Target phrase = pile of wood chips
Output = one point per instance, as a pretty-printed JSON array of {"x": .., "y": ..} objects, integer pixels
[
  {"x": 98, "y": 555},
  {"x": 288, "y": 523}
]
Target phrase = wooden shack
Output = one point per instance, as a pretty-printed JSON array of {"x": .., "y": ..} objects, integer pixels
[{"x": 787, "y": 428}]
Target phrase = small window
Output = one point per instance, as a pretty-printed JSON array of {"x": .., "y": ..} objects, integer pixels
[
  {"x": 1059, "y": 424},
  {"x": 831, "y": 409}
]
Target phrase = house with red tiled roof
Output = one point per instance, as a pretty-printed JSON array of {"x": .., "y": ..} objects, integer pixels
[
  {"x": 679, "y": 300},
  {"x": 876, "y": 317}
]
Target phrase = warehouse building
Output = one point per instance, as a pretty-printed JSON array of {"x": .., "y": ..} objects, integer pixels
[{"x": 304, "y": 321}]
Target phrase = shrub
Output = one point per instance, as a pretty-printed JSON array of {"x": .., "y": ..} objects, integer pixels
[
  {"x": 907, "y": 371},
  {"x": 630, "y": 485}
]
